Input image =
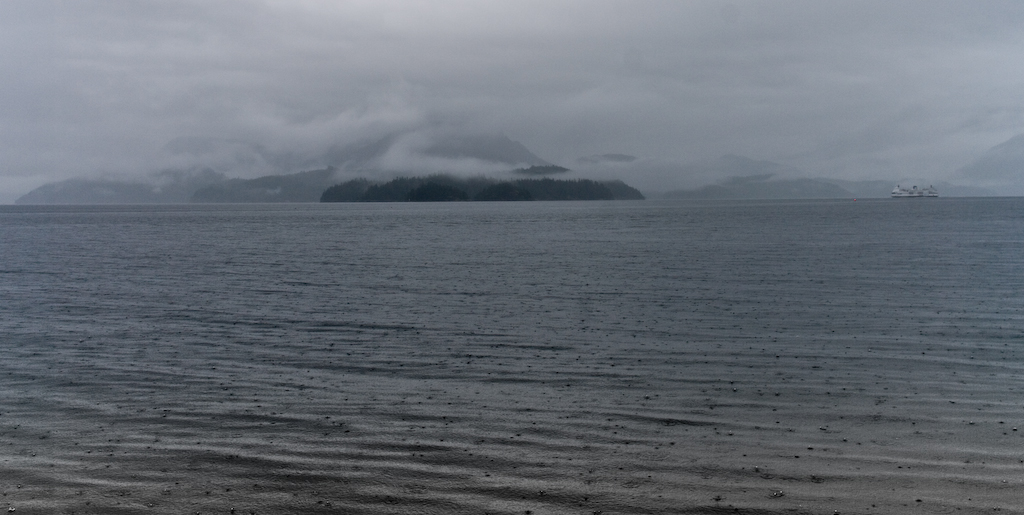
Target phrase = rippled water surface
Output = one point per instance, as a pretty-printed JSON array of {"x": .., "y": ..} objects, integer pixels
[{"x": 588, "y": 357}]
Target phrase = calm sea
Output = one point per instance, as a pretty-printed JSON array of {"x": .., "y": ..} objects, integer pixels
[{"x": 534, "y": 357}]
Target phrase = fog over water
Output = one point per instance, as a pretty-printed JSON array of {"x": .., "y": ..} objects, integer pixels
[
  {"x": 913, "y": 90},
  {"x": 546, "y": 357}
]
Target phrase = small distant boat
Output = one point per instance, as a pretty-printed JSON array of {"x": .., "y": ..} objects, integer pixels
[{"x": 914, "y": 192}]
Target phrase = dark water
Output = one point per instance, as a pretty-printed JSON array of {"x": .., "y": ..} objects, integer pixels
[{"x": 592, "y": 357}]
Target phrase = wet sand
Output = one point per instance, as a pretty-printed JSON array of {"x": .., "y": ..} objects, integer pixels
[{"x": 578, "y": 366}]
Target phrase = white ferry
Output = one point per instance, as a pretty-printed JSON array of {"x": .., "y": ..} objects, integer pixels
[{"x": 901, "y": 192}]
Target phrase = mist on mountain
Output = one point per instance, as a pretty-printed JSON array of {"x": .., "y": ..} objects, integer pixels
[
  {"x": 607, "y": 158},
  {"x": 998, "y": 168},
  {"x": 265, "y": 175},
  {"x": 296, "y": 187},
  {"x": 260, "y": 174},
  {"x": 165, "y": 187}
]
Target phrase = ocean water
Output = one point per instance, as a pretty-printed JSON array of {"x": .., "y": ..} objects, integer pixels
[{"x": 537, "y": 357}]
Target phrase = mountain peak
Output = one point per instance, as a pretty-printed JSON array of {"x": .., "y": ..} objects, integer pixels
[{"x": 1000, "y": 163}]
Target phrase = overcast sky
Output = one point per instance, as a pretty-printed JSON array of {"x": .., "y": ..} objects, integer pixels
[{"x": 842, "y": 89}]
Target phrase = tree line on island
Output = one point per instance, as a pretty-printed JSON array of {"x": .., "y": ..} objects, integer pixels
[{"x": 447, "y": 188}]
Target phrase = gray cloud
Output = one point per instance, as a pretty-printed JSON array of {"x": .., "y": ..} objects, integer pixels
[{"x": 843, "y": 89}]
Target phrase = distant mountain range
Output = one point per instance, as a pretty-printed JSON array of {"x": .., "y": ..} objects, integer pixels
[
  {"x": 167, "y": 187},
  {"x": 767, "y": 186},
  {"x": 495, "y": 151},
  {"x": 394, "y": 155},
  {"x": 296, "y": 187},
  {"x": 763, "y": 187},
  {"x": 759, "y": 179}
]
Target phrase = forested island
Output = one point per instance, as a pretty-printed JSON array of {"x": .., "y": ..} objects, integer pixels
[{"x": 447, "y": 188}]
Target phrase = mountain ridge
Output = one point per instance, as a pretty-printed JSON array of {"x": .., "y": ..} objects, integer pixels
[{"x": 493, "y": 151}]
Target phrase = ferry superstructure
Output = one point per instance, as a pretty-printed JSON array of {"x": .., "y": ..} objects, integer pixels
[{"x": 914, "y": 192}]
